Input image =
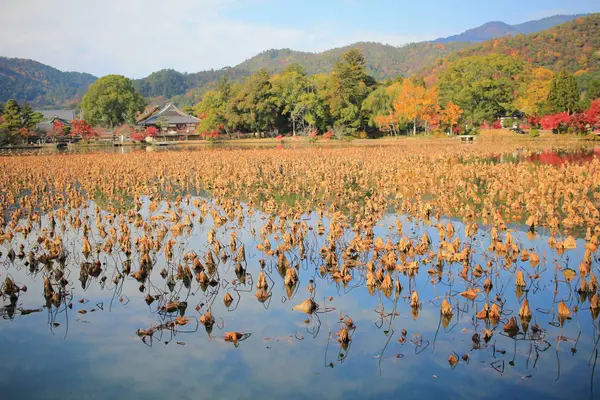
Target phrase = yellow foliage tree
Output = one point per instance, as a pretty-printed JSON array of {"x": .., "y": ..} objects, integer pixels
[
  {"x": 534, "y": 96},
  {"x": 415, "y": 102}
]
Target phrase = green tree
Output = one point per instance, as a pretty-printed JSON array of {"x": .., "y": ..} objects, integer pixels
[
  {"x": 378, "y": 108},
  {"x": 593, "y": 92},
  {"x": 348, "y": 87},
  {"x": 11, "y": 117},
  {"x": 255, "y": 105},
  {"x": 289, "y": 89},
  {"x": 317, "y": 113},
  {"x": 564, "y": 92},
  {"x": 482, "y": 86},
  {"x": 111, "y": 101},
  {"x": 216, "y": 109},
  {"x": 17, "y": 121},
  {"x": 30, "y": 118},
  {"x": 10, "y": 122}
]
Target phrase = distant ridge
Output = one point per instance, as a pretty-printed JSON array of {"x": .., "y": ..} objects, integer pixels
[
  {"x": 42, "y": 85},
  {"x": 496, "y": 29},
  {"x": 28, "y": 80}
]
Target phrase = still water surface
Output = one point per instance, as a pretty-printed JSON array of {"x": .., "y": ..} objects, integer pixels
[{"x": 90, "y": 346}]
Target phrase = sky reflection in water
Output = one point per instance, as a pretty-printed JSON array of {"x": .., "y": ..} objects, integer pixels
[{"x": 99, "y": 355}]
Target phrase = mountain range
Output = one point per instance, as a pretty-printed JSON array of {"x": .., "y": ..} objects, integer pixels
[
  {"x": 496, "y": 29},
  {"x": 44, "y": 86}
]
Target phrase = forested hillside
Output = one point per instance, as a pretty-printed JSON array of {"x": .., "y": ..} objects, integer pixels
[
  {"x": 30, "y": 81},
  {"x": 574, "y": 46},
  {"x": 383, "y": 61},
  {"x": 184, "y": 89}
]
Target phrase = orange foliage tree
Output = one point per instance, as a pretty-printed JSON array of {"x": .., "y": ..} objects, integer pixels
[
  {"x": 416, "y": 103},
  {"x": 450, "y": 115}
]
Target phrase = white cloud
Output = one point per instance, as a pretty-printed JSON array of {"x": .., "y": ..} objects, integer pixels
[{"x": 137, "y": 37}]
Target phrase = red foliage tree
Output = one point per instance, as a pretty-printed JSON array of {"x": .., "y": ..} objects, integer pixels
[
  {"x": 592, "y": 114},
  {"x": 210, "y": 135},
  {"x": 58, "y": 130},
  {"x": 579, "y": 123},
  {"x": 151, "y": 131},
  {"x": 556, "y": 122},
  {"x": 137, "y": 136},
  {"x": 141, "y": 135},
  {"x": 81, "y": 128},
  {"x": 534, "y": 121}
]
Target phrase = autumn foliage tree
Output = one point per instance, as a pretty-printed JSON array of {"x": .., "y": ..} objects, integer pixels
[
  {"x": 25, "y": 133},
  {"x": 592, "y": 114},
  {"x": 58, "y": 130},
  {"x": 532, "y": 100},
  {"x": 150, "y": 131},
  {"x": 556, "y": 122},
  {"x": 81, "y": 128},
  {"x": 450, "y": 115},
  {"x": 416, "y": 103}
]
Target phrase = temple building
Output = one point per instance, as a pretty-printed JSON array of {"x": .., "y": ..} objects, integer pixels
[
  {"x": 170, "y": 121},
  {"x": 50, "y": 116}
]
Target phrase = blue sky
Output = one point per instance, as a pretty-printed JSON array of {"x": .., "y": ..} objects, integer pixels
[
  {"x": 400, "y": 17},
  {"x": 136, "y": 37}
]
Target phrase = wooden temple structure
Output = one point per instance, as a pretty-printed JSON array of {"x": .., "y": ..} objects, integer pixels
[{"x": 171, "y": 122}]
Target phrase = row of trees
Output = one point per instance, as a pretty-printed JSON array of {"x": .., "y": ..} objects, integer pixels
[
  {"x": 17, "y": 121},
  {"x": 578, "y": 122},
  {"x": 473, "y": 90},
  {"x": 468, "y": 92}
]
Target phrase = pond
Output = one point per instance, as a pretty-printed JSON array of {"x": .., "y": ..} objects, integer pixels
[
  {"x": 179, "y": 146},
  {"x": 554, "y": 157},
  {"x": 195, "y": 293}
]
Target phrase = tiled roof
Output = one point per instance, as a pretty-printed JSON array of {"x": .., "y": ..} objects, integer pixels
[
  {"x": 173, "y": 115},
  {"x": 67, "y": 115}
]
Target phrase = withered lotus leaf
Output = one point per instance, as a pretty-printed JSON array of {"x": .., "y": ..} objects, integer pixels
[
  {"x": 452, "y": 360},
  {"x": 262, "y": 295},
  {"x": 570, "y": 243},
  {"x": 563, "y": 310},
  {"x": 470, "y": 294},
  {"x": 233, "y": 337},
  {"x": 343, "y": 336},
  {"x": 511, "y": 327},
  {"x": 483, "y": 313},
  {"x": 414, "y": 299},
  {"x": 261, "y": 283},
  {"x": 207, "y": 319},
  {"x": 227, "y": 299},
  {"x": 534, "y": 260},
  {"x": 569, "y": 274},
  {"x": 525, "y": 312},
  {"x": 520, "y": 279},
  {"x": 308, "y": 306},
  {"x": 446, "y": 308}
]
